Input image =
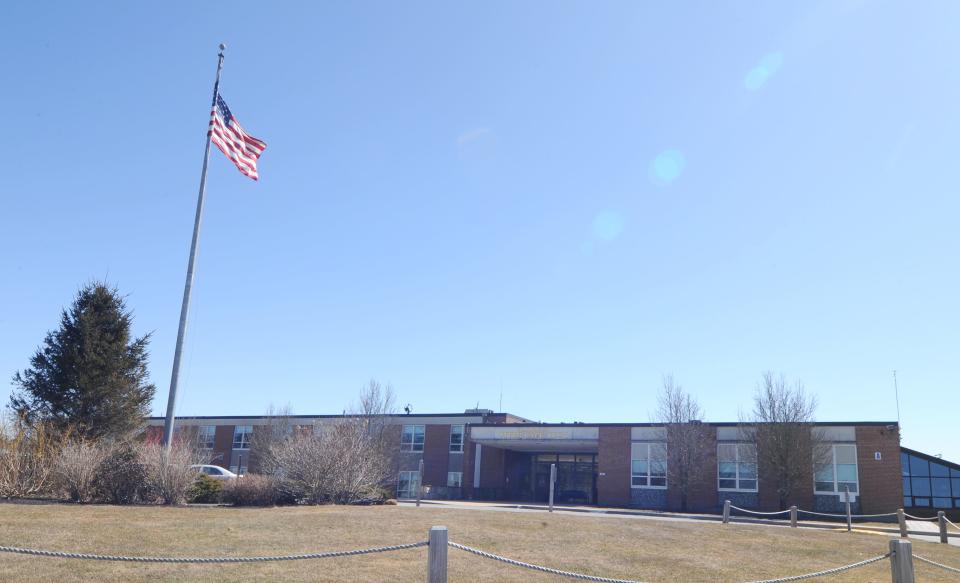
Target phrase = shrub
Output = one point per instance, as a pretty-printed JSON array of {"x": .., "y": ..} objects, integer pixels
[
  {"x": 168, "y": 471},
  {"x": 27, "y": 460},
  {"x": 121, "y": 477},
  {"x": 254, "y": 490},
  {"x": 205, "y": 490},
  {"x": 76, "y": 469}
]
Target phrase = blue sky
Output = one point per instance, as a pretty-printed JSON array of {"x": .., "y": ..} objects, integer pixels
[{"x": 564, "y": 201}]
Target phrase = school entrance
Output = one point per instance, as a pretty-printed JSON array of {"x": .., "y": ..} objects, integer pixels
[
  {"x": 576, "y": 478},
  {"x": 527, "y": 455}
]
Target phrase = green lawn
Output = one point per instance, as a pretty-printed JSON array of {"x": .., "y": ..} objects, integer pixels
[{"x": 648, "y": 550}]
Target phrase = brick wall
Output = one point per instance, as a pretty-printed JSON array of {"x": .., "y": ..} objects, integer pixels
[
  {"x": 469, "y": 451},
  {"x": 702, "y": 492},
  {"x": 881, "y": 487},
  {"x": 492, "y": 467},
  {"x": 222, "y": 445},
  {"x": 436, "y": 454},
  {"x": 613, "y": 466}
]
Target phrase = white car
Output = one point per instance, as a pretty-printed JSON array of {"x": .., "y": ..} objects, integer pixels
[{"x": 215, "y": 472}]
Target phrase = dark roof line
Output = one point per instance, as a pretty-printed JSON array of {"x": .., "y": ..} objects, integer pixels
[
  {"x": 708, "y": 423},
  {"x": 335, "y": 416},
  {"x": 931, "y": 458},
  {"x": 524, "y": 423}
]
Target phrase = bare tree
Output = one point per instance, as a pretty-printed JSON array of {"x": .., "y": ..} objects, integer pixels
[
  {"x": 687, "y": 448},
  {"x": 347, "y": 461},
  {"x": 169, "y": 474},
  {"x": 789, "y": 443},
  {"x": 266, "y": 438}
]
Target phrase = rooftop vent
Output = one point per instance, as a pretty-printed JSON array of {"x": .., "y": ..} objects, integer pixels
[{"x": 478, "y": 412}]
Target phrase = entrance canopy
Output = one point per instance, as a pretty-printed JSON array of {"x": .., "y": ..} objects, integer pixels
[{"x": 573, "y": 439}]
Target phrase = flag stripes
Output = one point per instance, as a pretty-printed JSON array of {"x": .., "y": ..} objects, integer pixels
[{"x": 241, "y": 148}]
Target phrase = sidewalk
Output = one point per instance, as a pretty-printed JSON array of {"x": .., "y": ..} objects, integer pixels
[{"x": 633, "y": 513}]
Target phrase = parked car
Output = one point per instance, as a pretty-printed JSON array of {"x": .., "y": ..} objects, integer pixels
[{"x": 215, "y": 472}]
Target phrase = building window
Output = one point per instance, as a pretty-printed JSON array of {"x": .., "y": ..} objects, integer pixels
[
  {"x": 239, "y": 465},
  {"x": 242, "y": 434},
  {"x": 456, "y": 438},
  {"x": 648, "y": 465},
  {"x": 838, "y": 472},
  {"x": 737, "y": 467},
  {"x": 929, "y": 483},
  {"x": 205, "y": 435},
  {"x": 408, "y": 484},
  {"x": 412, "y": 438},
  {"x": 454, "y": 479}
]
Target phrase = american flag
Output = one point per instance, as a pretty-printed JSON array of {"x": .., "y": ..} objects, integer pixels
[{"x": 226, "y": 132}]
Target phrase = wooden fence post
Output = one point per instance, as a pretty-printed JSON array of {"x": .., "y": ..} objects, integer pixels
[
  {"x": 793, "y": 517},
  {"x": 942, "y": 519},
  {"x": 419, "y": 482},
  {"x": 901, "y": 561},
  {"x": 903, "y": 522},
  {"x": 553, "y": 481},
  {"x": 437, "y": 555},
  {"x": 849, "y": 516},
  {"x": 726, "y": 511}
]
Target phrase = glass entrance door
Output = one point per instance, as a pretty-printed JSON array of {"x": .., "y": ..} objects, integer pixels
[{"x": 576, "y": 478}]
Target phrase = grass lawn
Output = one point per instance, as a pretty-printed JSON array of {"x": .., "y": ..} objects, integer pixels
[{"x": 648, "y": 550}]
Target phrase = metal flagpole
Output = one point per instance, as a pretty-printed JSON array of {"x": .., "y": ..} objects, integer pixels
[{"x": 185, "y": 307}]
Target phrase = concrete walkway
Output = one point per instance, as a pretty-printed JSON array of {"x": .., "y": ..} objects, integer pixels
[{"x": 914, "y": 526}]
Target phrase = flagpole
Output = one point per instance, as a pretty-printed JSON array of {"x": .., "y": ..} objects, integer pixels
[{"x": 188, "y": 286}]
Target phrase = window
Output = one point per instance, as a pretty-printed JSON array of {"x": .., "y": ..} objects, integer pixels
[
  {"x": 737, "y": 466},
  {"x": 242, "y": 434},
  {"x": 240, "y": 467},
  {"x": 412, "y": 438},
  {"x": 648, "y": 465},
  {"x": 454, "y": 479},
  {"x": 929, "y": 482},
  {"x": 456, "y": 438},
  {"x": 205, "y": 436},
  {"x": 838, "y": 472},
  {"x": 408, "y": 484}
]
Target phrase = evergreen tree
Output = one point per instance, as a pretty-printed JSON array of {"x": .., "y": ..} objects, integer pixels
[{"x": 90, "y": 375}]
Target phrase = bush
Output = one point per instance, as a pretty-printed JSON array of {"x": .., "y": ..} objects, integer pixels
[
  {"x": 76, "y": 469},
  {"x": 205, "y": 490},
  {"x": 28, "y": 456},
  {"x": 254, "y": 490},
  {"x": 121, "y": 477},
  {"x": 168, "y": 471}
]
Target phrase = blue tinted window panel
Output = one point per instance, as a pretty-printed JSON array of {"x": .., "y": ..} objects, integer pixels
[
  {"x": 942, "y": 503},
  {"x": 919, "y": 467},
  {"x": 907, "y": 501},
  {"x": 921, "y": 502},
  {"x": 956, "y": 486},
  {"x": 941, "y": 487},
  {"x": 906, "y": 486},
  {"x": 904, "y": 464},
  {"x": 939, "y": 470},
  {"x": 921, "y": 486}
]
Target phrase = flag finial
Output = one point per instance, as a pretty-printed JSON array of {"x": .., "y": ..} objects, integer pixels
[{"x": 223, "y": 47}]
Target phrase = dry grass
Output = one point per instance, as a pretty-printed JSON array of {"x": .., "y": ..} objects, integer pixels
[{"x": 649, "y": 550}]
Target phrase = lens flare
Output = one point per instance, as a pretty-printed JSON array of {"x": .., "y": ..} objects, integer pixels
[
  {"x": 607, "y": 225},
  {"x": 667, "y": 167},
  {"x": 768, "y": 66}
]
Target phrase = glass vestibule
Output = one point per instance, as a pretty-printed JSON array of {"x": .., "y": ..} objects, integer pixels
[{"x": 576, "y": 478}]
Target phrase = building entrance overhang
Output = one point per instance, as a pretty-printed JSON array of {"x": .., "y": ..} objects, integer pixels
[{"x": 574, "y": 439}]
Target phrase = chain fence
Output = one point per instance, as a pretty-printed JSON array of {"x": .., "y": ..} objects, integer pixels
[{"x": 210, "y": 560}]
